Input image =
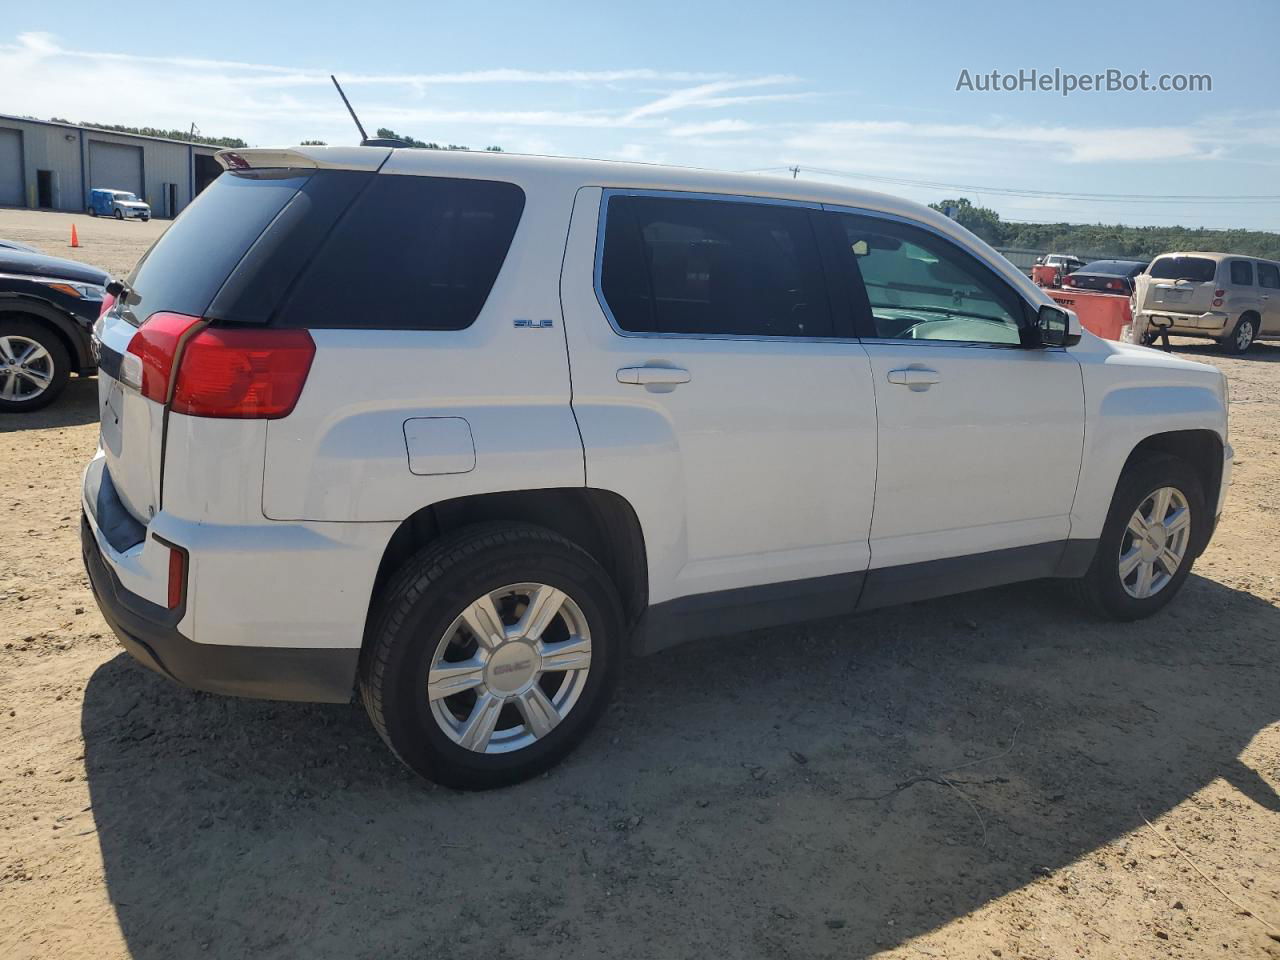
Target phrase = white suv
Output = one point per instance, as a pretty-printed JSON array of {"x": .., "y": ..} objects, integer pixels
[{"x": 462, "y": 430}]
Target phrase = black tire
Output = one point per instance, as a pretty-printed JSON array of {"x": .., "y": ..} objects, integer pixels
[
  {"x": 145, "y": 219},
  {"x": 92, "y": 212},
  {"x": 1101, "y": 589},
  {"x": 22, "y": 326},
  {"x": 1232, "y": 344},
  {"x": 423, "y": 599},
  {"x": 119, "y": 215}
]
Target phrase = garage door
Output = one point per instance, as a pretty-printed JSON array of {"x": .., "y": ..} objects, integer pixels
[
  {"x": 115, "y": 166},
  {"x": 11, "y": 168}
]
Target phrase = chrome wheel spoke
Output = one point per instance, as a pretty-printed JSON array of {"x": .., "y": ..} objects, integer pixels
[
  {"x": 1137, "y": 527},
  {"x": 1146, "y": 574},
  {"x": 571, "y": 654},
  {"x": 1129, "y": 562},
  {"x": 10, "y": 389},
  {"x": 39, "y": 378},
  {"x": 480, "y": 724},
  {"x": 1180, "y": 519},
  {"x": 1171, "y": 560},
  {"x": 540, "y": 715},
  {"x": 446, "y": 678},
  {"x": 6, "y": 349},
  {"x": 485, "y": 623},
  {"x": 1160, "y": 504},
  {"x": 544, "y": 603}
]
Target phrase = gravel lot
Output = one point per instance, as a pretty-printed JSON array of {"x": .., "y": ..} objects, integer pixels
[{"x": 961, "y": 778}]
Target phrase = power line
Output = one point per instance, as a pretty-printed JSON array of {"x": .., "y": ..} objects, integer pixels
[{"x": 1038, "y": 194}]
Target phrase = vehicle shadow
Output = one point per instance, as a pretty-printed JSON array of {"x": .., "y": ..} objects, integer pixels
[
  {"x": 1262, "y": 351},
  {"x": 77, "y": 405},
  {"x": 763, "y": 795}
]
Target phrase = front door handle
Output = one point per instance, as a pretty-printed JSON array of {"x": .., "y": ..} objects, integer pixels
[
  {"x": 669, "y": 376},
  {"x": 917, "y": 378}
]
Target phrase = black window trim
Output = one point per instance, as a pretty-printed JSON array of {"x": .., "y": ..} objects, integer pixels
[
  {"x": 841, "y": 320},
  {"x": 861, "y": 305}
]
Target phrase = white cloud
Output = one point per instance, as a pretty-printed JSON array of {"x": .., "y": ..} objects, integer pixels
[
  {"x": 711, "y": 95},
  {"x": 712, "y": 127}
]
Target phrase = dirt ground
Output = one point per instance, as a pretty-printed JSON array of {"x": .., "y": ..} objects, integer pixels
[{"x": 963, "y": 778}]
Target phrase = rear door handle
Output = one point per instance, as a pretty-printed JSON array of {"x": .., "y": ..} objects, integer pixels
[
  {"x": 648, "y": 375},
  {"x": 917, "y": 378}
]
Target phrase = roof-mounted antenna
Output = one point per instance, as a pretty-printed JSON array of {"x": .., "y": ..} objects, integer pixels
[{"x": 365, "y": 139}]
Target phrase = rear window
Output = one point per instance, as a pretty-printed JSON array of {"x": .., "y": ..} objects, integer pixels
[
  {"x": 184, "y": 269},
  {"x": 1113, "y": 268},
  {"x": 411, "y": 253},
  {"x": 1196, "y": 269}
]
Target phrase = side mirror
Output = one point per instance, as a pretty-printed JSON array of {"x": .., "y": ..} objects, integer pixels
[{"x": 1057, "y": 327}]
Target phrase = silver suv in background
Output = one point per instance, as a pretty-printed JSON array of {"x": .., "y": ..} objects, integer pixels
[{"x": 1232, "y": 299}]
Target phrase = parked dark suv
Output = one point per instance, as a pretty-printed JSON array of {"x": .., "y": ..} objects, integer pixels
[{"x": 47, "y": 310}]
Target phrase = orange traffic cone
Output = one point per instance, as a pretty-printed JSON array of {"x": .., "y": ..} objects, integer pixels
[{"x": 75, "y": 241}]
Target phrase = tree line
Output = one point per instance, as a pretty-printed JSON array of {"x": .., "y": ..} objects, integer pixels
[{"x": 1117, "y": 240}]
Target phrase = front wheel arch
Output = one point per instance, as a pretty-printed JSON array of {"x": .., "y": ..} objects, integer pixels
[{"x": 1202, "y": 449}]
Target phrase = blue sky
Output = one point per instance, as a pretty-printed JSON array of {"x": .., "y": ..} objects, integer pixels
[{"x": 859, "y": 88}]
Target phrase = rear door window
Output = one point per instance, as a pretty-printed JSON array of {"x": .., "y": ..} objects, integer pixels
[
  {"x": 1195, "y": 269},
  {"x": 713, "y": 268},
  {"x": 411, "y": 253},
  {"x": 1241, "y": 273},
  {"x": 1269, "y": 276}
]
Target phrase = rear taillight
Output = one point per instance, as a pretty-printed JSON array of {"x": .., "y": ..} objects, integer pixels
[
  {"x": 108, "y": 301},
  {"x": 1219, "y": 293},
  {"x": 243, "y": 374},
  {"x": 1217, "y": 301},
  {"x": 1114, "y": 285},
  {"x": 1068, "y": 281},
  {"x": 156, "y": 344}
]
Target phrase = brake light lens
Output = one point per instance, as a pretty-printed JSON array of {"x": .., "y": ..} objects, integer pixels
[
  {"x": 1217, "y": 301},
  {"x": 1068, "y": 281},
  {"x": 108, "y": 301},
  {"x": 243, "y": 374},
  {"x": 1219, "y": 293},
  {"x": 156, "y": 345},
  {"x": 1114, "y": 285}
]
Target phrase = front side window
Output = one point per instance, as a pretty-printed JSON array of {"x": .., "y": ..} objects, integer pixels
[
  {"x": 1242, "y": 273},
  {"x": 713, "y": 267},
  {"x": 1269, "y": 276},
  {"x": 920, "y": 286}
]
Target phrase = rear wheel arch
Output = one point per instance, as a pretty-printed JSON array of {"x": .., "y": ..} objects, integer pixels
[{"x": 602, "y": 523}]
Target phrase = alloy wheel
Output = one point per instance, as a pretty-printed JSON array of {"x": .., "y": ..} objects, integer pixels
[
  {"x": 510, "y": 668},
  {"x": 26, "y": 368},
  {"x": 1155, "y": 542},
  {"x": 1244, "y": 336}
]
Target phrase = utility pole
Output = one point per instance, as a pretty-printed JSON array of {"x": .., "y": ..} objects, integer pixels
[{"x": 795, "y": 172}]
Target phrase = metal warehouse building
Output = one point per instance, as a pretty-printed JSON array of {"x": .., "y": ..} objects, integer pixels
[{"x": 53, "y": 166}]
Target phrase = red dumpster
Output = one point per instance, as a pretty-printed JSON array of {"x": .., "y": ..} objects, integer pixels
[
  {"x": 1045, "y": 276},
  {"x": 1102, "y": 313}
]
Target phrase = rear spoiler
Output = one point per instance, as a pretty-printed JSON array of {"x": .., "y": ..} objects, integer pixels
[{"x": 317, "y": 158}]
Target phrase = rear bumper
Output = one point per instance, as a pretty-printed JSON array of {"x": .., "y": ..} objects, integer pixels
[
  {"x": 149, "y": 632},
  {"x": 1211, "y": 324}
]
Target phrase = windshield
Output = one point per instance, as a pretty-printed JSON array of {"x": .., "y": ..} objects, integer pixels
[
  {"x": 121, "y": 195},
  {"x": 1197, "y": 269}
]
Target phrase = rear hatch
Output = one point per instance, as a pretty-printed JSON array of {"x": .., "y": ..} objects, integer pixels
[
  {"x": 1178, "y": 283},
  {"x": 226, "y": 261}
]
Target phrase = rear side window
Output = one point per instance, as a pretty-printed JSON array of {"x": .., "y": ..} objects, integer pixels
[
  {"x": 411, "y": 253},
  {"x": 1242, "y": 273},
  {"x": 1269, "y": 276},
  {"x": 1196, "y": 269},
  {"x": 713, "y": 267},
  {"x": 185, "y": 268}
]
